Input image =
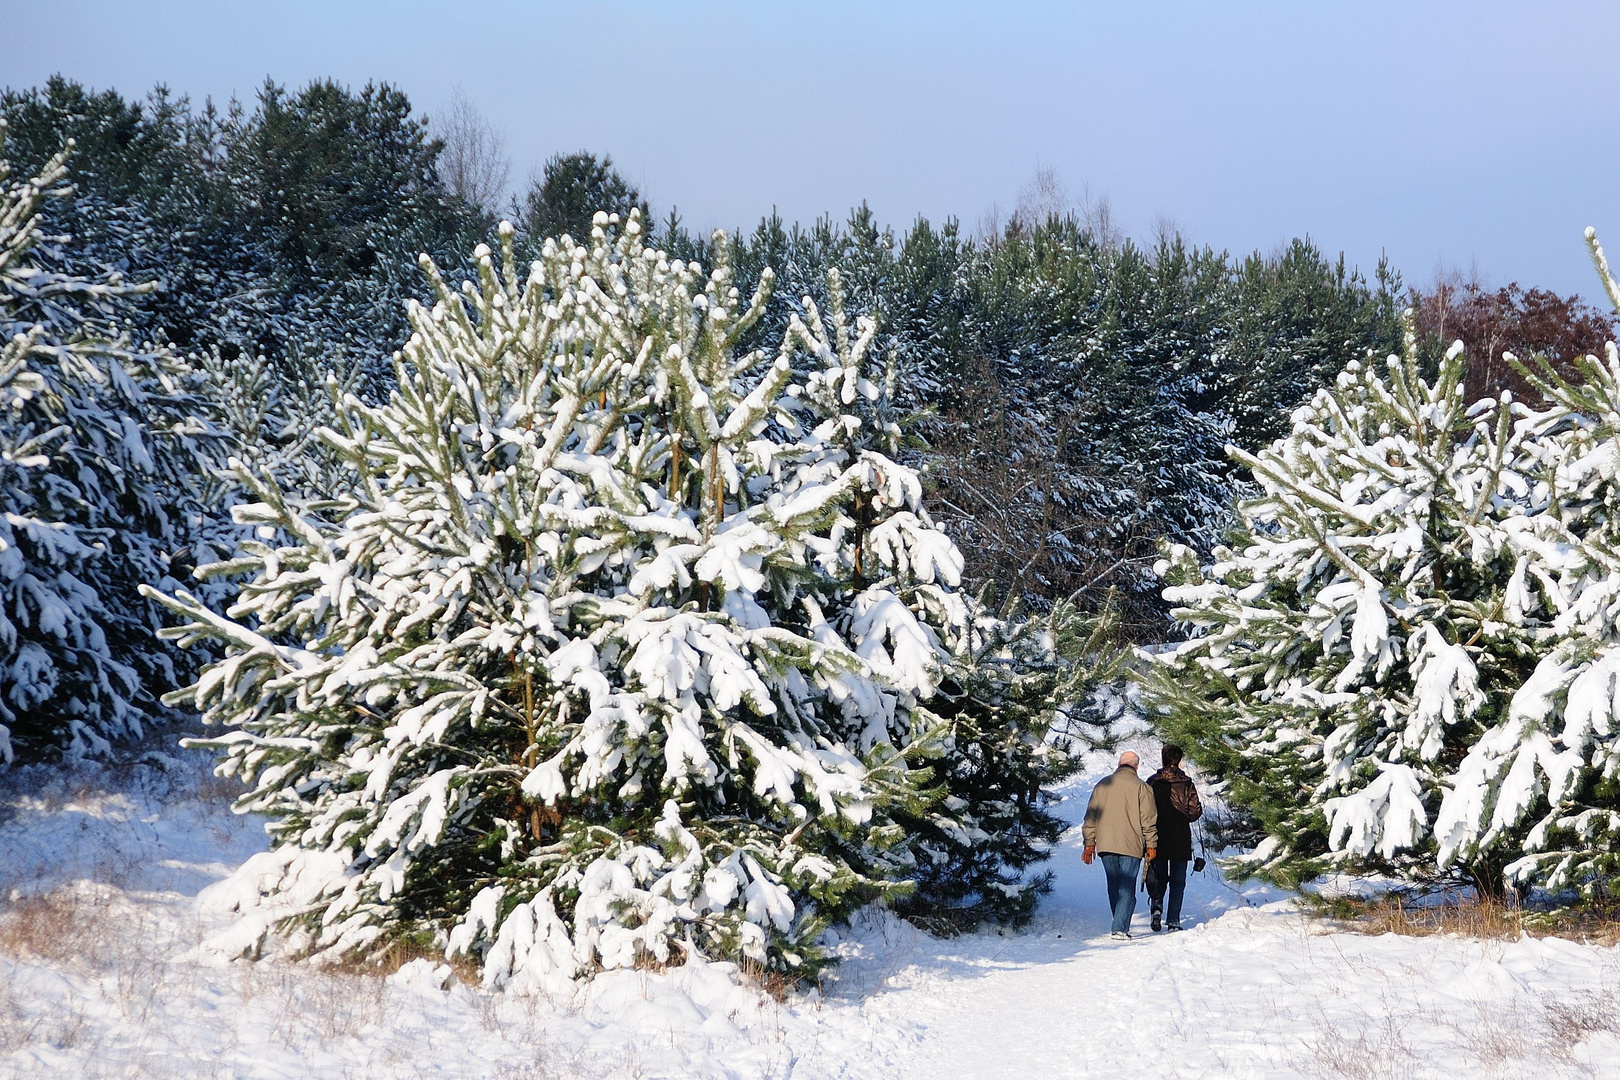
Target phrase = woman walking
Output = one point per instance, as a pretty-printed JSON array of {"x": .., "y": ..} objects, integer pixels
[{"x": 1179, "y": 807}]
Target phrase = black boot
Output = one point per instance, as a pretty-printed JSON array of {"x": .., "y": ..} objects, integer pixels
[{"x": 1155, "y": 924}]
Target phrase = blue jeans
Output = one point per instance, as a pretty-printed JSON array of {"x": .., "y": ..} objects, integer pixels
[
  {"x": 1167, "y": 875},
  {"x": 1121, "y": 871}
]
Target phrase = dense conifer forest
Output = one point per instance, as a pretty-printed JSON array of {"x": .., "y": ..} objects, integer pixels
[{"x": 1074, "y": 389}]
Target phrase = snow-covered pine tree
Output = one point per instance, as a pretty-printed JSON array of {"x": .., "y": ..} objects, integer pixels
[
  {"x": 1543, "y": 782},
  {"x": 1363, "y": 627},
  {"x": 103, "y": 460},
  {"x": 625, "y": 644},
  {"x": 1408, "y": 656}
]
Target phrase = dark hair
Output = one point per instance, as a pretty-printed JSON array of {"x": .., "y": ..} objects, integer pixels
[{"x": 1170, "y": 755}]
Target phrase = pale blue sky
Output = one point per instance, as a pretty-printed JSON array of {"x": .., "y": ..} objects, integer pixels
[{"x": 1452, "y": 135}]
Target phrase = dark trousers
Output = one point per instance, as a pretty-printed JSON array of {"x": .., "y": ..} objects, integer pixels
[
  {"x": 1121, "y": 871},
  {"x": 1167, "y": 875}
]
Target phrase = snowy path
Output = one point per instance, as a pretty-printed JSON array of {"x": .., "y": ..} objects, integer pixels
[
  {"x": 93, "y": 983},
  {"x": 1251, "y": 992}
]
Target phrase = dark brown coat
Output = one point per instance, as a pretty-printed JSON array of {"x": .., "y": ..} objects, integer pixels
[{"x": 1179, "y": 807}]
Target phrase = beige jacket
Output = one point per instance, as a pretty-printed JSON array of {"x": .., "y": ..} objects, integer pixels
[{"x": 1122, "y": 817}]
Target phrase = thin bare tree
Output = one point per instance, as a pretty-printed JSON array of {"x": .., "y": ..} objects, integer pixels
[
  {"x": 990, "y": 224},
  {"x": 1097, "y": 218},
  {"x": 473, "y": 163},
  {"x": 1165, "y": 229},
  {"x": 1043, "y": 198}
]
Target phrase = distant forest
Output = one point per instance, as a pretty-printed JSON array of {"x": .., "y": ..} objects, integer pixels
[{"x": 1072, "y": 390}]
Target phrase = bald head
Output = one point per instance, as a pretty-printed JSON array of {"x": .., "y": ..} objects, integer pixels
[{"x": 1129, "y": 759}]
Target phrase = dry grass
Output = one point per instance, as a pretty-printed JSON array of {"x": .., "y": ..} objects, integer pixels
[
  {"x": 774, "y": 984},
  {"x": 1504, "y": 1038},
  {"x": 1395, "y": 914},
  {"x": 328, "y": 1006},
  {"x": 1379, "y": 1051},
  {"x": 64, "y": 925},
  {"x": 17, "y": 1027},
  {"x": 1466, "y": 916},
  {"x": 1569, "y": 1021},
  {"x": 394, "y": 954}
]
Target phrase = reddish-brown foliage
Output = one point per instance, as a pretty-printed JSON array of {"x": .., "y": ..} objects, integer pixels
[{"x": 1524, "y": 322}]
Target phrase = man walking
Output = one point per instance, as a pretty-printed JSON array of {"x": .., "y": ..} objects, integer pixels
[
  {"x": 1121, "y": 823},
  {"x": 1178, "y": 805}
]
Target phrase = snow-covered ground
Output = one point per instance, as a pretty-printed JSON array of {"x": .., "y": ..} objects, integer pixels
[{"x": 99, "y": 978}]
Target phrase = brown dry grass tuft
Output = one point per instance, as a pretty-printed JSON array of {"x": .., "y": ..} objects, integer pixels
[
  {"x": 774, "y": 984},
  {"x": 63, "y": 925},
  {"x": 1467, "y": 917}
]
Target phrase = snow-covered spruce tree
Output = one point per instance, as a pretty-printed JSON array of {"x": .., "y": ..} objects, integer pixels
[
  {"x": 624, "y": 644},
  {"x": 102, "y": 461},
  {"x": 1369, "y": 620}
]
